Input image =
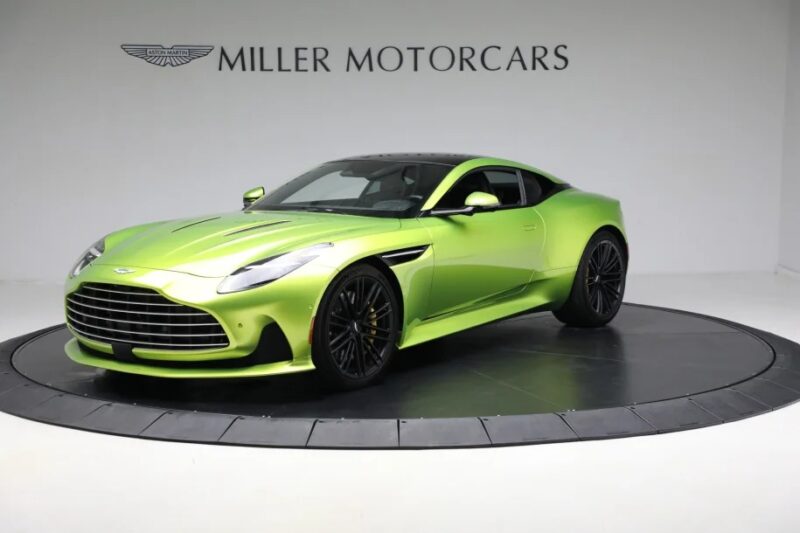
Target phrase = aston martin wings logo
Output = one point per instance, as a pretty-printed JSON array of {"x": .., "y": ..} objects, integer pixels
[{"x": 174, "y": 56}]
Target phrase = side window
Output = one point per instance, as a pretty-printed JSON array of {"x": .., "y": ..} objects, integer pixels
[
  {"x": 505, "y": 185},
  {"x": 457, "y": 195},
  {"x": 537, "y": 187},
  {"x": 502, "y": 183}
]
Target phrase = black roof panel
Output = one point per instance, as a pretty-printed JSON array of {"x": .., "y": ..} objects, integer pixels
[{"x": 419, "y": 157}]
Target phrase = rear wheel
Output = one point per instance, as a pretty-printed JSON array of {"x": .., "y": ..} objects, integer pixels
[
  {"x": 356, "y": 329},
  {"x": 599, "y": 284}
]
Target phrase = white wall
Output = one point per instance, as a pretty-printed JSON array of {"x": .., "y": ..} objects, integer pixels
[
  {"x": 790, "y": 191},
  {"x": 676, "y": 108}
]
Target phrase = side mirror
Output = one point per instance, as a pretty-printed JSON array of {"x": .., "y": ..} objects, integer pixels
[
  {"x": 253, "y": 195},
  {"x": 481, "y": 199},
  {"x": 474, "y": 202}
]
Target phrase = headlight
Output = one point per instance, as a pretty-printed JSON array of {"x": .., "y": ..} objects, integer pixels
[
  {"x": 92, "y": 253},
  {"x": 270, "y": 269}
]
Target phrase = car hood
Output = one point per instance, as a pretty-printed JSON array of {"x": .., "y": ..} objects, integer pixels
[{"x": 216, "y": 245}]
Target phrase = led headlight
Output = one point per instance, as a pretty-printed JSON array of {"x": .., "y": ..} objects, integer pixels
[
  {"x": 91, "y": 253},
  {"x": 270, "y": 269}
]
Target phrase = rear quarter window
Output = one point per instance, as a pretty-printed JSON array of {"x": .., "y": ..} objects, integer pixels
[{"x": 539, "y": 188}]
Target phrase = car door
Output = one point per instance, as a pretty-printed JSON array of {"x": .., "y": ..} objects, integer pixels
[{"x": 488, "y": 255}]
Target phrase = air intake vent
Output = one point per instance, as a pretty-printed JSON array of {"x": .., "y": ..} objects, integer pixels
[{"x": 141, "y": 318}]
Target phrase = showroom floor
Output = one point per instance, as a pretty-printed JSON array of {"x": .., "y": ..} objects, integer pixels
[{"x": 54, "y": 478}]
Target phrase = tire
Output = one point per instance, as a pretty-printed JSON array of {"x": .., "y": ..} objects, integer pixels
[
  {"x": 599, "y": 284},
  {"x": 356, "y": 329}
]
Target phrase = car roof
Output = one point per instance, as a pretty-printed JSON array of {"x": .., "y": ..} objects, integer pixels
[{"x": 418, "y": 157}]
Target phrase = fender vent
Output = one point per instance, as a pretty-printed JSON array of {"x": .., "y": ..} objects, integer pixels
[{"x": 395, "y": 257}]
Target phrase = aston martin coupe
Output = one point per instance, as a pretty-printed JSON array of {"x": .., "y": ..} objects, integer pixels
[{"x": 342, "y": 266}]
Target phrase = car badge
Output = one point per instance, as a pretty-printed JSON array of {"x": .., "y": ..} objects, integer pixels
[{"x": 124, "y": 270}]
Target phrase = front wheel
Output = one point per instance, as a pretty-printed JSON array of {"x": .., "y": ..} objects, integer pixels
[
  {"x": 356, "y": 328},
  {"x": 599, "y": 284}
]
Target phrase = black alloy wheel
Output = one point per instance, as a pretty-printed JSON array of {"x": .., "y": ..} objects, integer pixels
[
  {"x": 604, "y": 277},
  {"x": 356, "y": 329},
  {"x": 599, "y": 284}
]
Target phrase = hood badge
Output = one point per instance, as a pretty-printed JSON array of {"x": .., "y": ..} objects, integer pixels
[{"x": 124, "y": 270}]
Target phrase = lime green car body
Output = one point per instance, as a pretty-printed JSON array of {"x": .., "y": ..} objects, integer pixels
[{"x": 473, "y": 270}]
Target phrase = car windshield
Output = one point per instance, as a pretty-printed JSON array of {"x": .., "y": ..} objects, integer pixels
[{"x": 359, "y": 187}]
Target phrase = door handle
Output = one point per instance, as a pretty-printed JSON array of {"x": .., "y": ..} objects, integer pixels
[{"x": 529, "y": 227}]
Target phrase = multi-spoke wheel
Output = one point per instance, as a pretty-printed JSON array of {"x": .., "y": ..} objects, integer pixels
[
  {"x": 599, "y": 283},
  {"x": 356, "y": 328},
  {"x": 604, "y": 277}
]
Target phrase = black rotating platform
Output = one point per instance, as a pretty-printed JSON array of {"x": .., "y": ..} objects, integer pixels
[{"x": 520, "y": 381}]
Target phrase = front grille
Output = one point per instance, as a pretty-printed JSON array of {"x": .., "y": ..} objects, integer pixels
[{"x": 141, "y": 318}]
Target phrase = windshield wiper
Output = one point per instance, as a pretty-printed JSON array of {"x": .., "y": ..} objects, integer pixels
[{"x": 311, "y": 208}]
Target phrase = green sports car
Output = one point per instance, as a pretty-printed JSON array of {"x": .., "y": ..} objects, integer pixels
[{"x": 342, "y": 266}]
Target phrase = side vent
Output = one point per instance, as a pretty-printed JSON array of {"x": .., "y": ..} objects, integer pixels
[{"x": 404, "y": 255}]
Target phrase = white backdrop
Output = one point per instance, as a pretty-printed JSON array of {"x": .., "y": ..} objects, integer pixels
[
  {"x": 676, "y": 108},
  {"x": 790, "y": 191}
]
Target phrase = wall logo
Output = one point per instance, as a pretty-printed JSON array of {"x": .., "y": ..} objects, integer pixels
[
  {"x": 174, "y": 56},
  {"x": 551, "y": 57}
]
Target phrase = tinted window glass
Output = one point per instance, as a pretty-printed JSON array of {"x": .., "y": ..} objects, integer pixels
[
  {"x": 537, "y": 187},
  {"x": 457, "y": 195},
  {"x": 501, "y": 183},
  {"x": 505, "y": 185},
  {"x": 533, "y": 190}
]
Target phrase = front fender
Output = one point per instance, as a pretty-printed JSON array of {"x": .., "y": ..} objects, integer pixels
[{"x": 413, "y": 277}]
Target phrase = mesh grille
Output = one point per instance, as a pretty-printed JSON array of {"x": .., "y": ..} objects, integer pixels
[{"x": 141, "y": 318}]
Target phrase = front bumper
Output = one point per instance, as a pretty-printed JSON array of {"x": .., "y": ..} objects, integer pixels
[
  {"x": 84, "y": 357},
  {"x": 289, "y": 302}
]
